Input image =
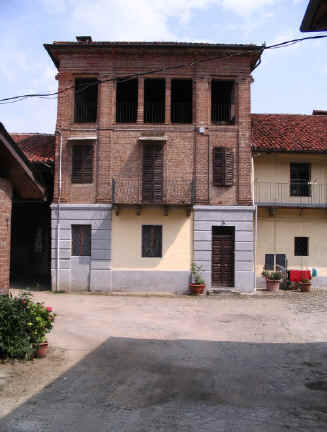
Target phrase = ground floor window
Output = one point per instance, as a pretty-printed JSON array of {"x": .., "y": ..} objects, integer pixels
[
  {"x": 276, "y": 262},
  {"x": 152, "y": 241},
  {"x": 81, "y": 240},
  {"x": 301, "y": 246}
]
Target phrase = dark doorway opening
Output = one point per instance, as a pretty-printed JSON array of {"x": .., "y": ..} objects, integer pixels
[
  {"x": 223, "y": 256},
  {"x": 86, "y": 100},
  {"x": 181, "y": 100},
  {"x": 154, "y": 100},
  {"x": 126, "y": 101},
  {"x": 222, "y": 103}
]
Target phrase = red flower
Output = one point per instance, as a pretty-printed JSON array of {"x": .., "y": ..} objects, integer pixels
[{"x": 49, "y": 309}]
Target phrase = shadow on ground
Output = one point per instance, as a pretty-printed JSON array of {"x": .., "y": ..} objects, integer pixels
[{"x": 183, "y": 385}]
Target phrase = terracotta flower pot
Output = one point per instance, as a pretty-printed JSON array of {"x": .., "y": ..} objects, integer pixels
[
  {"x": 305, "y": 286},
  {"x": 272, "y": 285},
  {"x": 42, "y": 350},
  {"x": 197, "y": 289}
]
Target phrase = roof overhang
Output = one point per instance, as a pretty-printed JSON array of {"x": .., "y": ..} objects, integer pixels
[
  {"x": 57, "y": 49},
  {"x": 315, "y": 18},
  {"x": 15, "y": 167}
]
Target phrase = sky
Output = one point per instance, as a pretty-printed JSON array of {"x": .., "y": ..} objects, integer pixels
[{"x": 289, "y": 80}]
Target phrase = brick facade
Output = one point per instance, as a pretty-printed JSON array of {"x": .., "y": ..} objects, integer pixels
[
  {"x": 187, "y": 153},
  {"x": 5, "y": 230}
]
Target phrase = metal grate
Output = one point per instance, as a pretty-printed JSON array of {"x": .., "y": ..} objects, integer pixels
[
  {"x": 151, "y": 241},
  {"x": 81, "y": 240}
]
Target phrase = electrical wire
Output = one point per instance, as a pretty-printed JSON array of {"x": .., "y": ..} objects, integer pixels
[{"x": 54, "y": 95}]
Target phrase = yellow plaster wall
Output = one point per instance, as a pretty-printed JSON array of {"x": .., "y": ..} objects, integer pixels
[
  {"x": 177, "y": 237},
  {"x": 275, "y": 168},
  {"x": 276, "y": 235}
]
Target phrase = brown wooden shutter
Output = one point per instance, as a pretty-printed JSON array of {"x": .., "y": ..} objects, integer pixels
[
  {"x": 152, "y": 173},
  {"x": 222, "y": 166},
  {"x": 82, "y": 163}
]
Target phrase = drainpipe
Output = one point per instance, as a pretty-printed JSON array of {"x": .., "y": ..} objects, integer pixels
[
  {"x": 255, "y": 226},
  {"x": 58, "y": 211}
]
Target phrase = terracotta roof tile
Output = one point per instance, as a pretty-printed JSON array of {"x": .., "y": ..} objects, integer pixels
[
  {"x": 37, "y": 147},
  {"x": 289, "y": 133}
]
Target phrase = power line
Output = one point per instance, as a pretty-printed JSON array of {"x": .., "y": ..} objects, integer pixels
[{"x": 53, "y": 95}]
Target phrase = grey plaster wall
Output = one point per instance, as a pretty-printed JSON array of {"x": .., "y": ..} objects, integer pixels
[
  {"x": 151, "y": 281},
  {"x": 240, "y": 217},
  {"x": 81, "y": 273}
]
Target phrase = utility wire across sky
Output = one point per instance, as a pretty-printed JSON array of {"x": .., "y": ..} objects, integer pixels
[{"x": 53, "y": 95}]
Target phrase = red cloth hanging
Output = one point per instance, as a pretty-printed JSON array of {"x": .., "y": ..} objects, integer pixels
[{"x": 298, "y": 275}]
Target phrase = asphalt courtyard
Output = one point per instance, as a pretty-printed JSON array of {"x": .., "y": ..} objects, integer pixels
[{"x": 223, "y": 363}]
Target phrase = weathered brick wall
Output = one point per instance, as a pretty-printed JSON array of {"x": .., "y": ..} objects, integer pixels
[
  {"x": 5, "y": 223},
  {"x": 118, "y": 151}
]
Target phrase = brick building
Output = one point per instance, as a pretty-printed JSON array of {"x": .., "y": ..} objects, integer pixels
[
  {"x": 153, "y": 165},
  {"x": 18, "y": 180}
]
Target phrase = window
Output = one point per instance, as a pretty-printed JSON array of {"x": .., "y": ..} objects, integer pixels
[
  {"x": 126, "y": 101},
  {"x": 279, "y": 259},
  {"x": 301, "y": 246},
  {"x": 152, "y": 178},
  {"x": 151, "y": 241},
  {"x": 181, "y": 100},
  {"x": 81, "y": 240},
  {"x": 82, "y": 163},
  {"x": 86, "y": 100},
  {"x": 300, "y": 179},
  {"x": 269, "y": 262},
  {"x": 222, "y": 102},
  {"x": 154, "y": 100},
  {"x": 223, "y": 166}
]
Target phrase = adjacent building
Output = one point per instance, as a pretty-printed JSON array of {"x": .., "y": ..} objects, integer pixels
[
  {"x": 315, "y": 18},
  {"x": 153, "y": 165}
]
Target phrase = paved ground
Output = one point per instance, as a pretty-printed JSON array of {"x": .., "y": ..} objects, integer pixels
[{"x": 227, "y": 363}]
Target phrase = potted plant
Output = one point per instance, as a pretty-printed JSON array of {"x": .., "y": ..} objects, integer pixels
[
  {"x": 197, "y": 286},
  {"x": 273, "y": 280},
  {"x": 305, "y": 285}
]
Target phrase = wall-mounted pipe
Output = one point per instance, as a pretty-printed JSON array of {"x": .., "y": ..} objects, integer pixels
[{"x": 58, "y": 211}]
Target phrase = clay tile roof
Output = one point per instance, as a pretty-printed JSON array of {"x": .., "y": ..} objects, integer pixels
[
  {"x": 37, "y": 147},
  {"x": 289, "y": 133}
]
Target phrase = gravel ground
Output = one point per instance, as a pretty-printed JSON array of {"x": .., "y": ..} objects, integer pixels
[{"x": 223, "y": 363}]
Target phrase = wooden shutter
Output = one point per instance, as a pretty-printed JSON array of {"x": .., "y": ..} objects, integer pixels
[
  {"x": 152, "y": 173},
  {"x": 151, "y": 241},
  {"x": 82, "y": 163},
  {"x": 223, "y": 166}
]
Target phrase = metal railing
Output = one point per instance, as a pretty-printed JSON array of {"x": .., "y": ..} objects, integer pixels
[
  {"x": 171, "y": 192},
  {"x": 290, "y": 194},
  {"x": 85, "y": 112},
  {"x": 181, "y": 112},
  {"x": 154, "y": 112},
  {"x": 221, "y": 112},
  {"x": 126, "y": 112}
]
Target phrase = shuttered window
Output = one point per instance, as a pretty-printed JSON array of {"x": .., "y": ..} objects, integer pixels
[
  {"x": 223, "y": 169},
  {"x": 82, "y": 163},
  {"x": 152, "y": 182},
  {"x": 81, "y": 240},
  {"x": 151, "y": 241}
]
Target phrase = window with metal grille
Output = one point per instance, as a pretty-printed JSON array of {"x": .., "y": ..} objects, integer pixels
[
  {"x": 181, "y": 100},
  {"x": 154, "y": 100},
  {"x": 151, "y": 241},
  {"x": 81, "y": 240},
  {"x": 223, "y": 166},
  {"x": 82, "y": 163},
  {"x": 300, "y": 179},
  {"x": 126, "y": 101},
  {"x": 269, "y": 262},
  {"x": 222, "y": 102},
  {"x": 301, "y": 246},
  {"x": 86, "y": 100}
]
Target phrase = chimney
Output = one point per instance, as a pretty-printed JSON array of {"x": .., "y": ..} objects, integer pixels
[{"x": 84, "y": 39}]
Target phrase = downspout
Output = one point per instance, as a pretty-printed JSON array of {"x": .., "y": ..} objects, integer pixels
[
  {"x": 255, "y": 225},
  {"x": 58, "y": 211}
]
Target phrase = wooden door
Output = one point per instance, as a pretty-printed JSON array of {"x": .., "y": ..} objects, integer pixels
[
  {"x": 152, "y": 182},
  {"x": 223, "y": 256}
]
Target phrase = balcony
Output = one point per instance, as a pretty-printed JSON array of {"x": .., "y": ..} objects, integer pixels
[
  {"x": 132, "y": 191},
  {"x": 300, "y": 195},
  {"x": 221, "y": 112}
]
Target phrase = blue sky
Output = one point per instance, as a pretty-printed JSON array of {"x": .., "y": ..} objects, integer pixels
[{"x": 289, "y": 80}]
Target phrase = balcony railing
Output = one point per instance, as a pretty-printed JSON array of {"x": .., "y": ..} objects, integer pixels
[
  {"x": 154, "y": 112},
  {"x": 126, "y": 112},
  {"x": 221, "y": 112},
  {"x": 290, "y": 194},
  {"x": 85, "y": 112},
  {"x": 181, "y": 112},
  {"x": 173, "y": 192}
]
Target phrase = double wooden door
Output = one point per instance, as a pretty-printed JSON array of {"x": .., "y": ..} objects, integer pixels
[{"x": 223, "y": 256}]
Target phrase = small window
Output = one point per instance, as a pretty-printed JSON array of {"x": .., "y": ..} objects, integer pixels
[
  {"x": 300, "y": 179},
  {"x": 269, "y": 261},
  {"x": 86, "y": 100},
  {"x": 82, "y": 163},
  {"x": 222, "y": 102},
  {"x": 81, "y": 240},
  {"x": 152, "y": 241},
  {"x": 223, "y": 166},
  {"x": 301, "y": 246}
]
